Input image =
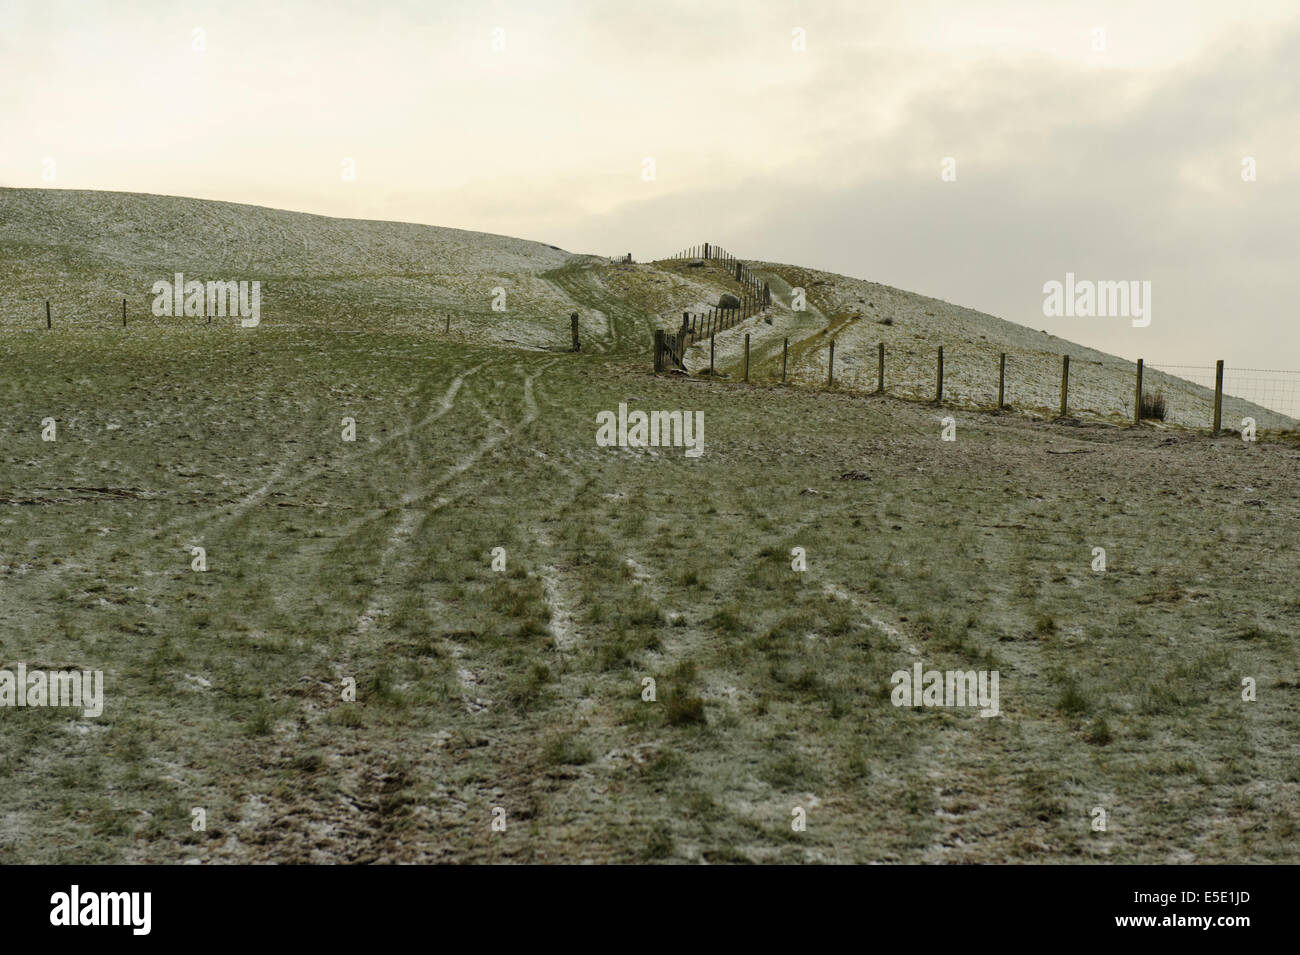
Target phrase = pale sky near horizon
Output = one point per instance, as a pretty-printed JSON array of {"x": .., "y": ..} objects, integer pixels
[{"x": 1115, "y": 164}]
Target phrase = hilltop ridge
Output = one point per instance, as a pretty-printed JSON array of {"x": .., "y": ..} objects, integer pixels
[{"x": 87, "y": 250}]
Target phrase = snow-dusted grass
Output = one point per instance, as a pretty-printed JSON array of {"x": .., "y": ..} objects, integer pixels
[
  {"x": 86, "y": 251},
  {"x": 860, "y": 315},
  {"x": 522, "y": 689}
]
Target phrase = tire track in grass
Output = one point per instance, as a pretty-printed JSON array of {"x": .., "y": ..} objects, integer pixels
[
  {"x": 558, "y": 596},
  {"x": 368, "y": 784},
  {"x": 559, "y": 601},
  {"x": 863, "y": 607},
  {"x": 224, "y": 518},
  {"x": 412, "y": 509},
  {"x": 221, "y": 521},
  {"x": 287, "y": 551},
  {"x": 594, "y": 720},
  {"x": 953, "y": 772},
  {"x": 521, "y": 771},
  {"x": 413, "y": 515}
]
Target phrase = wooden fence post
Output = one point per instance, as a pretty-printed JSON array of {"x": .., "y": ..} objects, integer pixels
[
  {"x": 746, "y": 357},
  {"x": 1137, "y": 395},
  {"x": 830, "y": 367},
  {"x": 449, "y": 323},
  {"x": 573, "y": 319},
  {"x": 1002, "y": 380},
  {"x": 47, "y": 314},
  {"x": 880, "y": 371},
  {"x": 711, "y": 345},
  {"x": 659, "y": 350},
  {"x": 1218, "y": 396},
  {"x": 1065, "y": 382},
  {"x": 124, "y": 313},
  {"x": 938, "y": 389},
  {"x": 785, "y": 350}
]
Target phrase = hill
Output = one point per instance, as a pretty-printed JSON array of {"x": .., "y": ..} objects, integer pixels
[
  {"x": 436, "y": 620},
  {"x": 88, "y": 250}
]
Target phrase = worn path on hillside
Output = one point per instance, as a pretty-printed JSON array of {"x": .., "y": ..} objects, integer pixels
[
  {"x": 810, "y": 325},
  {"x": 806, "y": 330},
  {"x": 630, "y": 328}
]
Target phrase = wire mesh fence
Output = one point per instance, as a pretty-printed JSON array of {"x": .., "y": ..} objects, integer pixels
[
  {"x": 1246, "y": 390},
  {"x": 1037, "y": 383}
]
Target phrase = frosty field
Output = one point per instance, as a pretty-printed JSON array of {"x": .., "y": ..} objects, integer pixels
[{"x": 518, "y": 694}]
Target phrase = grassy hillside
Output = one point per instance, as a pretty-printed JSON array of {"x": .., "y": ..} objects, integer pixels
[
  {"x": 859, "y": 315},
  {"x": 86, "y": 251},
  {"x": 522, "y": 690}
]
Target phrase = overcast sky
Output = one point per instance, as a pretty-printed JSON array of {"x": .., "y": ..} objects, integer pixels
[{"x": 1118, "y": 163}]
